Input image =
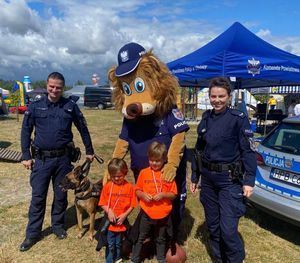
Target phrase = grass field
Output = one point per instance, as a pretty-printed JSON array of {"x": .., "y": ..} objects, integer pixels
[{"x": 266, "y": 239}]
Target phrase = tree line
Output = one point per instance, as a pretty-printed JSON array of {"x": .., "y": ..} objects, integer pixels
[{"x": 9, "y": 84}]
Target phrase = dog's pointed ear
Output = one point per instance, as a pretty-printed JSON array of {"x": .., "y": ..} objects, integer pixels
[
  {"x": 77, "y": 171},
  {"x": 85, "y": 168}
]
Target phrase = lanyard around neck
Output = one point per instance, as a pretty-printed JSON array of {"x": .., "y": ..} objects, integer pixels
[
  {"x": 154, "y": 179},
  {"x": 110, "y": 194}
]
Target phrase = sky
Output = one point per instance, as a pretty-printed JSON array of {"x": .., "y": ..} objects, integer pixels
[{"x": 81, "y": 37}]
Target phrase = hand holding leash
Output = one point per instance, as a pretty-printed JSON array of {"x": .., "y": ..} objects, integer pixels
[{"x": 90, "y": 157}]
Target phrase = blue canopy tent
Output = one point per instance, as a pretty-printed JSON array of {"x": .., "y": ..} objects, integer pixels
[{"x": 238, "y": 53}]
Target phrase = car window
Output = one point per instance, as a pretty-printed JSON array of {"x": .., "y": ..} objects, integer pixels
[
  {"x": 99, "y": 92},
  {"x": 285, "y": 138}
]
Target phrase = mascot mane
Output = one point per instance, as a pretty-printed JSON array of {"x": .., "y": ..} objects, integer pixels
[{"x": 163, "y": 84}]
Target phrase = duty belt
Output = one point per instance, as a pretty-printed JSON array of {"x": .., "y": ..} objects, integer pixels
[
  {"x": 216, "y": 167},
  {"x": 52, "y": 153}
]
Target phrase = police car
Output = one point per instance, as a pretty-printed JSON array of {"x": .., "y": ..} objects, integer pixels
[{"x": 277, "y": 185}]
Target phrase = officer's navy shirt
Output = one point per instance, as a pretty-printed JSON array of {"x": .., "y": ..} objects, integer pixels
[
  {"x": 228, "y": 139},
  {"x": 142, "y": 132},
  {"x": 52, "y": 124}
]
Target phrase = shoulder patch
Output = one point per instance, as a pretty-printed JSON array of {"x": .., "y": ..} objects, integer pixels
[
  {"x": 36, "y": 99},
  {"x": 237, "y": 113},
  {"x": 248, "y": 132},
  {"x": 177, "y": 114}
]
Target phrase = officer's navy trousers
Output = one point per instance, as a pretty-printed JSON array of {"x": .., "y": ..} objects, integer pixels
[
  {"x": 44, "y": 171},
  {"x": 178, "y": 203},
  {"x": 223, "y": 204}
]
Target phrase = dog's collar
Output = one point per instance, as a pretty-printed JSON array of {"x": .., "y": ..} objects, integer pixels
[{"x": 95, "y": 192}]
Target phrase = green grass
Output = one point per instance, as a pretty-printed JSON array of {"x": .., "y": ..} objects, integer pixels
[{"x": 267, "y": 239}]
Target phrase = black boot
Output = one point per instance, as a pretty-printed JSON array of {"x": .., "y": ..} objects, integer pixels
[{"x": 28, "y": 243}]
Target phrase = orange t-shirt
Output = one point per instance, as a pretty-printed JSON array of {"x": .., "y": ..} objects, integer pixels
[
  {"x": 119, "y": 198},
  {"x": 151, "y": 182}
]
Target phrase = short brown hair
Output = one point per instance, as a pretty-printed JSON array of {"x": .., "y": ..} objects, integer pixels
[
  {"x": 157, "y": 150},
  {"x": 220, "y": 82},
  {"x": 117, "y": 165},
  {"x": 56, "y": 75}
]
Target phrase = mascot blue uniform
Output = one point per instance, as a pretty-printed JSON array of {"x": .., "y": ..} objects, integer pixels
[{"x": 146, "y": 92}]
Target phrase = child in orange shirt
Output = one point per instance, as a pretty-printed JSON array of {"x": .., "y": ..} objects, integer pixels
[
  {"x": 117, "y": 200},
  {"x": 155, "y": 196}
]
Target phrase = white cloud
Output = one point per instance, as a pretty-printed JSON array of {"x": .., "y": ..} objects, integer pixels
[
  {"x": 289, "y": 44},
  {"x": 17, "y": 18},
  {"x": 264, "y": 33},
  {"x": 80, "y": 38}
]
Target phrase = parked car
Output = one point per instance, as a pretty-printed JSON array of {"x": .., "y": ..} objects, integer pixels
[
  {"x": 277, "y": 185},
  {"x": 98, "y": 96}
]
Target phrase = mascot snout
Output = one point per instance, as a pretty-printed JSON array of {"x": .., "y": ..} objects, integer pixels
[{"x": 134, "y": 110}]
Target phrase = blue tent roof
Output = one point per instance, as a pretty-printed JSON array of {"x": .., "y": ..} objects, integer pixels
[{"x": 239, "y": 53}]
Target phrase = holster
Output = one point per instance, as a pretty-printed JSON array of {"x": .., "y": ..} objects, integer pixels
[
  {"x": 74, "y": 153},
  {"x": 35, "y": 151},
  {"x": 237, "y": 171},
  {"x": 198, "y": 157}
]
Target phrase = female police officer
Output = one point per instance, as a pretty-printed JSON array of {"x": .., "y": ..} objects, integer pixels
[{"x": 226, "y": 161}]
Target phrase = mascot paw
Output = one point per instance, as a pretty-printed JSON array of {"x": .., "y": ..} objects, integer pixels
[
  {"x": 169, "y": 172},
  {"x": 106, "y": 177}
]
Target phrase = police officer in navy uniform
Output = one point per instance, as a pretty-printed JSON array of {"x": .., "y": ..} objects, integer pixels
[
  {"x": 51, "y": 117},
  {"x": 225, "y": 159}
]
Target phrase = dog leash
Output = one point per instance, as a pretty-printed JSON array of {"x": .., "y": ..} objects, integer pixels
[
  {"x": 85, "y": 167},
  {"x": 98, "y": 159}
]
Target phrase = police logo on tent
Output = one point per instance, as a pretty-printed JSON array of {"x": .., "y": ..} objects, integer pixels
[{"x": 253, "y": 66}]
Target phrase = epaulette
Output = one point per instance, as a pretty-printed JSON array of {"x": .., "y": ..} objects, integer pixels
[
  {"x": 37, "y": 99},
  {"x": 74, "y": 98},
  {"x": 237, "y": 113},
  {"x": 206, "y": 114}
]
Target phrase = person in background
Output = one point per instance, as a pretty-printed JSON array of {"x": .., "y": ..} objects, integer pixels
[
  {"x": 272, "y": 102},
  {"x": 51, "y": 117},
  {"x": 297, "y": 109},
  {"x": 117, "y": 200},
  {"x": 291, "y": 108},
  {"x": 225, "y": 159},
  {"x": 155, "y": 197}
]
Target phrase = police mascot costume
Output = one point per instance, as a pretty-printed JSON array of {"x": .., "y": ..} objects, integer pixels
[{"x": 145, "y": 92}]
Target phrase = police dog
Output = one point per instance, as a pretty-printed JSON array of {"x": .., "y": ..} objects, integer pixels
[{"x": 86, "y": 195}]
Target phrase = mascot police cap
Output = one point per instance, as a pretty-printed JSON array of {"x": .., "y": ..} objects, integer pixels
[{"x": 129, "y": 57}]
